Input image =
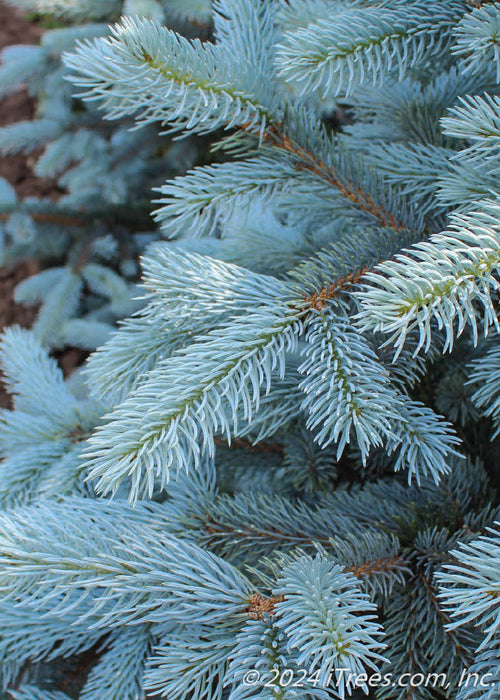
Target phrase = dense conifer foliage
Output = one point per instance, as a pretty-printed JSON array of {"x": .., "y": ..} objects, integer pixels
[{"x": 278, "y": 477}]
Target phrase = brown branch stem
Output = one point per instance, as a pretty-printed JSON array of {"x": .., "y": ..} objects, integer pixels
[{"x": 352, "y": 192}]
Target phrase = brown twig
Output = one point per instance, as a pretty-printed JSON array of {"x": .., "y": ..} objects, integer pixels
[
  {"x": 60, "y": 219},
  {"x": 376, "y": 567},
  {"x": 318, "y": 300},
  {"x": 353, "y": 193}
]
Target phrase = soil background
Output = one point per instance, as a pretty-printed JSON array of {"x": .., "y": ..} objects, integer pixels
[{"x": 15, "y": 28}]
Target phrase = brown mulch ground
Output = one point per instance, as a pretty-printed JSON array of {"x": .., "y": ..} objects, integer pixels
[{"x": 16, "y": 29}]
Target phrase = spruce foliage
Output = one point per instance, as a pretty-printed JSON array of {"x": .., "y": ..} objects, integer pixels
[{"x": 278, "y": 477}]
